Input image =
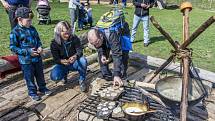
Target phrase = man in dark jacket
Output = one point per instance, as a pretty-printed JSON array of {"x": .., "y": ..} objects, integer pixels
[
  {"x": 67, "y": 54},
  {"x": 141, "y": 14},
  {"x": 106, "y": 41},
  {"x": 11, "y": 6}
]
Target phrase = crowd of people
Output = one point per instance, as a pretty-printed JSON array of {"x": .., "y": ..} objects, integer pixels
[{"x": 65, "y": 47}]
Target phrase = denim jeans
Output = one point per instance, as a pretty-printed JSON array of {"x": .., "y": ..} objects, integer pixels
[
  {"x": 74, "y": 15},
  {"x": 60, "y": 71},
  {"x": 124, "y": 3},
  {"x": 30, "y": 71},
  {"x": 136, "y": 21}
]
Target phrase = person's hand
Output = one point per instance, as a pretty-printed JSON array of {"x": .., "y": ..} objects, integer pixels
[
  {"x": 72, "y": 59},
  {"x": 104, "y": 60},
  {"x": 40, "y": 50},
  {"x": 34, "y": 53},
  {"x": 143, "y": 5},
  {"x": 64, "y": 62},
  {"x": 6, "y": 5},
  {"x": 117, "y": 81},
  {"x": 148, "y": 6}
]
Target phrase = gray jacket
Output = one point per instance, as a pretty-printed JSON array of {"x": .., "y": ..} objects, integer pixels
[{"x": 74, "y": 4}]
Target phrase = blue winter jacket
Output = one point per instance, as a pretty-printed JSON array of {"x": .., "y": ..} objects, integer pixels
[{"x": 22, "y": 41}]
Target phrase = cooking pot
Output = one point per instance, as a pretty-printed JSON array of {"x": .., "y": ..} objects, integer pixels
[
  {"x": 135, "y": 111},
  {"x": 170, "y": 89}
]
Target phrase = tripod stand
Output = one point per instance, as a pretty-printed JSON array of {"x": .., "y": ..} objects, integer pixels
[{"x": 182, "y": 52}]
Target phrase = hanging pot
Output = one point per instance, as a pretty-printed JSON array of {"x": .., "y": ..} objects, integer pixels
[{"x": 170, "y": 89}]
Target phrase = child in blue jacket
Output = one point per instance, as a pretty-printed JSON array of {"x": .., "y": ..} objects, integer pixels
[{"x": 25, "y": 42}]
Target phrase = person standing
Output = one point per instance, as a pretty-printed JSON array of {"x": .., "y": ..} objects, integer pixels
[
  {"x": 25, "y": 42},
  {"x": 11, "y": 7},
  {"x": 74, "y": 12},
  {"x": 141, "y": 14}
]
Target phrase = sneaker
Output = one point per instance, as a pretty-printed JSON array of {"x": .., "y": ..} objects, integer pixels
[
  {"x": 47, "y": 92},
  {"x": 35, "y": 98},
  {"x": 146, "y": 44},
  {"x": 83, "y": 87}
]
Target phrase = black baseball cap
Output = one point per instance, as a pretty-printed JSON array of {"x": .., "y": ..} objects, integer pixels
[{"x": 24, "y": 12}]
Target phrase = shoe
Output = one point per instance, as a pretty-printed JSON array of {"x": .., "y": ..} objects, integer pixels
[
  {"x": 47, "y": 92},
  {"x": 65, "y": 80},
  {"x": 146, "y": 44},
  {"x": 83, "y": 87},
  {"x": 124, "y": 76},
  {"x": 35, "y": 98}
]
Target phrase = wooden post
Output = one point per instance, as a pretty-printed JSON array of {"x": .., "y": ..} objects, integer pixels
[{"x": 185, "y": 9}]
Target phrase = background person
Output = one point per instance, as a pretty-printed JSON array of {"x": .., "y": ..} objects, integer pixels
[
  {"x": 141, "y": 14},
  {"x": 74, "y": 12},
  {"x": 11, "y": 7}
]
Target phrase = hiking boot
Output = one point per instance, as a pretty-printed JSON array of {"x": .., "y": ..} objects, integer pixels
[{"x": 35, "y": 98}]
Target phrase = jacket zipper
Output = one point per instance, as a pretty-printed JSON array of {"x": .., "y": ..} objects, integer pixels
[{"x": 142, "y": 9}]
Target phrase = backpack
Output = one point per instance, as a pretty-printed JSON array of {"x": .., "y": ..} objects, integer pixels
[{"x": 114, "y": 21}]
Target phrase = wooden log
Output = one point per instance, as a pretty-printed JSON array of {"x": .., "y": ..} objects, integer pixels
[
  {"x": 18, "y": 96},
  {"x": 46, "y": 55},
  {"x": 156, "y": 62}
]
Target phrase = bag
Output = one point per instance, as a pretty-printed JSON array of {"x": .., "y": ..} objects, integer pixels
[
  {"x": 114, "y": 21},
  {"x": 126, "y": 43},
  {"x": 111, "y": 18}
]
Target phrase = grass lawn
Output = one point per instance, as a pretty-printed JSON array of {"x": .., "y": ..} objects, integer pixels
[{"x": 170, "y": 20}]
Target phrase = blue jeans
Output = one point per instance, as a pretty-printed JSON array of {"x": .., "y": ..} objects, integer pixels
[
  {"x": 30, "y": 71},
  {"x": 124, "y": 3},
  {"x": 60, "y": 71},
  {"x": 74, "y": 15},
  {"x": 136, "y": 21}
]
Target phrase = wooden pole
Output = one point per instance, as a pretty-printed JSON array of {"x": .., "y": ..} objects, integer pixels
[
  {"x": 185, "y": 8},
  {"x": 158, "y": 70}
]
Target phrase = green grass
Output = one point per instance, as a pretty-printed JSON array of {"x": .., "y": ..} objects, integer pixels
[{"x": 170, "y": 20}]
